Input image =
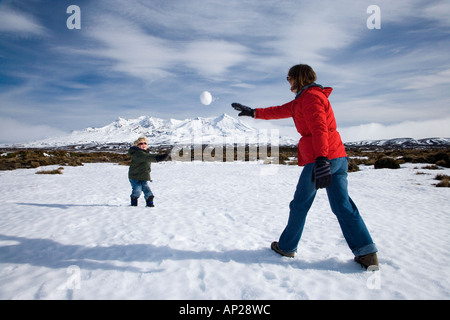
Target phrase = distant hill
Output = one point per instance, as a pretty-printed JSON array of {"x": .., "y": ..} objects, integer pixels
[{"x": 405, "y": 143}]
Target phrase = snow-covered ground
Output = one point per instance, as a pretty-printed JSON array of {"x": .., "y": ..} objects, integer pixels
[{"x": 74, "y": 236}]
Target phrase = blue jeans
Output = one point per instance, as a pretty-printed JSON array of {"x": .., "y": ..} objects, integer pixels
[
  {"x": 140, "y": 186},
  {"x": 352, "y": 225}
]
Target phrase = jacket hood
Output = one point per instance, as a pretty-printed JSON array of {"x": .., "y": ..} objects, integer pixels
[
  {"x": 134, "y": 149},
  {"x": 326, "y": 90}
]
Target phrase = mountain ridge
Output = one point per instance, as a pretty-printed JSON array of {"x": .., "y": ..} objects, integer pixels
[
  {"x": 401, "y": 143},
  {"x": 198, "y": 130},
  {"x": 223, "y": 129}
]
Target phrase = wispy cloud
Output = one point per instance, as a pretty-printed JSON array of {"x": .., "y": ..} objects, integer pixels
[
  {"x": 213, "y": 58},
  {"x": 13, "y": 131},
  {"x": 439, "y": 79},
  {"x": 404, "y": 129},
  {"x": 132, "y": 51},
  {"x": 140, "y": 54},
  {"x": 12, "y": 21}
]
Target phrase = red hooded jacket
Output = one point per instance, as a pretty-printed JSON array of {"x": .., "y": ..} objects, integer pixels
[{"x": 314, "y": 120}]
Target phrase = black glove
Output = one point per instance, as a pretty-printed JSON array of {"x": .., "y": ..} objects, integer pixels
[
  {"x": 161, "y": 157},
  {"x": 322, "y": 173},
  {"x": 244, "y": 110}
]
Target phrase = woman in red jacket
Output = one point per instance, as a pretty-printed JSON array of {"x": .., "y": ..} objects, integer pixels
[{"x": 325, "y": 162}]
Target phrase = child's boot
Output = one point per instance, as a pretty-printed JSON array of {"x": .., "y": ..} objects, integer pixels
[
  {"x": 149, "y": 201},
  {"x": 134, "y": 201}
]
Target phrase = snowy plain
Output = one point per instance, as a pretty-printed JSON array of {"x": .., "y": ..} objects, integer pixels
[{"x": 74, "y": 236}]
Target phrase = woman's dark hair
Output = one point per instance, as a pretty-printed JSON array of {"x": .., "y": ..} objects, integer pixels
[{"x": 302, "y": 75}]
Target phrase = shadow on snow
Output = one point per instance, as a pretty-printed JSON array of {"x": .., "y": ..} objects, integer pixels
[
  {"x": 52, "y": 254},
  {"x": 65, "y": 206}
]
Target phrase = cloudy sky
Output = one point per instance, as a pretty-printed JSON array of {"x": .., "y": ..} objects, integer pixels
[{"x": 155, "y": 57}]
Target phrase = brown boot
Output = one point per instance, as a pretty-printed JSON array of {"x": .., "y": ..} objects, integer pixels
[
  {"x": 274, "y": 247},
  {"x": 368, "y": 261}
]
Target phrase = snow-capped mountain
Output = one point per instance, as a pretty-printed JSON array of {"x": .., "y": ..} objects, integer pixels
[
  {"x": 222, "y": 129},
  {"x": 402, "y": 143}
]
